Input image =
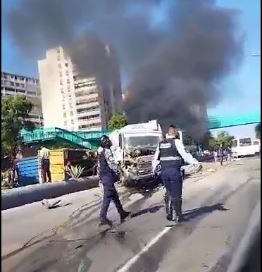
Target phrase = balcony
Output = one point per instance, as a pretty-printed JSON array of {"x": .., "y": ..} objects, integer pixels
[{"x": 88, "y": 112}]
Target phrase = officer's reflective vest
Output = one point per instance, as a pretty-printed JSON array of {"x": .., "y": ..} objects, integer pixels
[
  {"x": 168, "y": 154},
  {"x": 103, "y": 167}
]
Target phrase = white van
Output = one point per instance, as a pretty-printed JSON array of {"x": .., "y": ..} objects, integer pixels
[{"x": 245, "y": 147}]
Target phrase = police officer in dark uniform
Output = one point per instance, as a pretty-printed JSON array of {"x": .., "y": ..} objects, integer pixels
[
  {"x": 170, "y": 154},
  {"x": 108, "y": 174}
]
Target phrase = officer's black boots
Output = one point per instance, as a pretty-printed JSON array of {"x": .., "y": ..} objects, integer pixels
[
  {"x": 173, "y": 204},
  {"x": 178, "y": 210},
  {"x": 124, "y": 215},
  {"x": 106, "y": 222},
  {"x": 166, "y": 198},
  {"x": 169, "y": 208}
]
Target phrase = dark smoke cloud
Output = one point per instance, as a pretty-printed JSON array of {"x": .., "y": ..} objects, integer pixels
[{"x": 173, "y": 68}]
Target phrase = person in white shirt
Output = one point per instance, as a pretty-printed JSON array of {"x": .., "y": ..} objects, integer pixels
[
  {"x": 45, "y": 164},
  {"x": 169, "y": 155}
]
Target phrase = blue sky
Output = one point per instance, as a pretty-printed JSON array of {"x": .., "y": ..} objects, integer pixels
[{"x": 241, "y": 89}]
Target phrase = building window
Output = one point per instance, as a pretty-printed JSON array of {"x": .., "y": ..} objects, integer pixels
[
  {"x": 72, "y": 122},
  {"x": 63, "y": 106},
  {"x": 20, "y": 91},
  {"x": 61, "y": 82},
  {"x": 93, "y": 116},
  {"x": 31, "y": 93},
  {"x": 10, "y": 89},
  {"x": 68, "y": 81},
  {"x": 66, "y": 64},
  {"x": 64, "y": 114},
  {"x": 67, "y": 72},
  {"x": 85, "y": 110},
  {"x": 71, "y": 113},
  {"x": 83, "y": 126}
]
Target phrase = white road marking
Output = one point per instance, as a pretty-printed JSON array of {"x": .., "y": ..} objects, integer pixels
[{"x": 134, "y": 259}]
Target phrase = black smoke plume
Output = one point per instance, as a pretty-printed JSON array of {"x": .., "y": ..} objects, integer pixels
[{"x": 173, "y": 67}]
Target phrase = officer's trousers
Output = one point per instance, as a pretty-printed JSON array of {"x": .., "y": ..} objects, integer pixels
[
  {"x": 45, "y": 167},
  {"x": 173, "y": 182},
  {"x": 110, "y": 193}
]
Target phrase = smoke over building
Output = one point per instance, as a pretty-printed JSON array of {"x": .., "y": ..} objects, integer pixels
[{"x": 172, "y": 66}]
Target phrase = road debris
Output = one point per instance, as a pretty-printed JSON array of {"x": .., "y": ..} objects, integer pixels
[{"x": 54, "y": 203}]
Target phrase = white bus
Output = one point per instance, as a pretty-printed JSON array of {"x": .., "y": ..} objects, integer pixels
[{"x": 245, "y": 147}]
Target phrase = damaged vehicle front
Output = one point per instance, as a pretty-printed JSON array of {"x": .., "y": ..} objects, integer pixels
[{"x": 138, "y": 154}]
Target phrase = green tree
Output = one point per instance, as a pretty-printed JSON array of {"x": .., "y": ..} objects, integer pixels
[
  {"x": 257, "y": 130},
  {"x": 117, "y": 121},
  {"x": 222, "y": 138},
  {"x": 15, "y": 112}
]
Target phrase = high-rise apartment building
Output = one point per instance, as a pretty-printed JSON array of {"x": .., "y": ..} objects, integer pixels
[
  {"x": 74, "y": 102},
  {"x": 12, "y": 84}
]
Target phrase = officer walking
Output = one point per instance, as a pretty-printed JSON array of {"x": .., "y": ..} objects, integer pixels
[
  {"x": 108, "y": 175},
  {"x": 170, "y": 154}
]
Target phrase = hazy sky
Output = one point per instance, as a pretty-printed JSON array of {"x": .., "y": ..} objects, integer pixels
[
  {"x": 238, "y": 131},
  {"x": 242, "y": 89}
]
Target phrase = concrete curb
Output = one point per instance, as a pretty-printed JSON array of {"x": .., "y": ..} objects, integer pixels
[{"x": 37, "y": 192}]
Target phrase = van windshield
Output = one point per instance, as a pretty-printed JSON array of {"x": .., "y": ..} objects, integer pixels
[{"x": 142, "y": 141}]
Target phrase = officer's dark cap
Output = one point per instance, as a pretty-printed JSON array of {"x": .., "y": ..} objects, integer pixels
[{"x": 104, "y": 141}]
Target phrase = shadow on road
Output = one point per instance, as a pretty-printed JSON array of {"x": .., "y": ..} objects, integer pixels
[
  {"x": 146, "y": 189},
  {"x": 190, "y": 214},
  {"x": 148, "y": 210}
]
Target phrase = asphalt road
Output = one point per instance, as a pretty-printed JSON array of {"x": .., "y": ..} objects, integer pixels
[{"x": 218, "y": 207}]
